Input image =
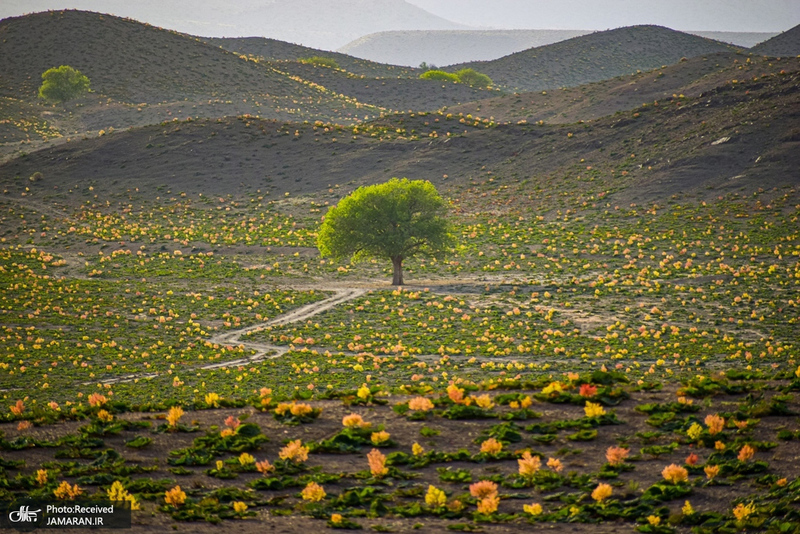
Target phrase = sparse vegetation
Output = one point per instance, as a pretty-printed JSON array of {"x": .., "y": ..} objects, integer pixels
[
  {"x": 321, "y": 61},
  {"x": 439, "y": 75},
  {"x": 473, "y": 78}
]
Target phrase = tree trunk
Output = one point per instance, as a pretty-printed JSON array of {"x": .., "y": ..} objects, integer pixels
[{"x": 397, "y": 263}]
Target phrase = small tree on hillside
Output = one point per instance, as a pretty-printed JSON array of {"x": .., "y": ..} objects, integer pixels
[
  {"x": 474, "y": 78},
  {"x": 394, "y": 220},
  {"x": 62, "y": 84}
]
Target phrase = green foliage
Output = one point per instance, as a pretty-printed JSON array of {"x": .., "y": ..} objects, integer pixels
[
  {"x": 439, "y": 75},
  {"x": 321, "y": 62},
  {"x": 395, "y": 220},
  {"x": 62, "y": 84},
  {"x": 473, "y": 78}
]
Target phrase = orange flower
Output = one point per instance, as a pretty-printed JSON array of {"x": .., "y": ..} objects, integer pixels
[
  {"x": 617, "y": 455},
  {"x": 746, "y": 452},
  {"x": 174, "y": 415},
  {"x": 294, "y": 451},
  {"x": 379, "y": 437},
  {"x": 715, "y": 424},
  {"x": 692, "y": 459},
  {"x": 420, "y": 404},
  {"x": 455, "y": 393},
  {"x": 377, "y": 463},
  {"x": 488, "y": 505},
  {"x": 313, "y": 492},
  {"x": 354, "y": 420},
  {"x": 555, "y": 464},
  {"x": 711, "y": 471},
  {"x": 491, "y": 446},
  {"x": 232, "y": 422},
  {"x": 65, "y": 491},
  {"x": 176, "y": 496},
  {"x": 482, "y": 489},
  {"x": 675, "y": 474},
  {"x": 529, "y": 464},
  {"x": 264, "y": 467}
]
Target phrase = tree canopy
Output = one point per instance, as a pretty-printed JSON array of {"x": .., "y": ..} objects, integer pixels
[
  {"x": 62, "y": 84},
  {"x": 394, "y": 220}
]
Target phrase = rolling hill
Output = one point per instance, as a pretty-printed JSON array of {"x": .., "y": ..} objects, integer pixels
[
  {"x": 646, "y": 154},
  {"x": 783, "y": 44},
  {"x": 274, "y": 50},
  {"x": 594, "y": 57},
  {"x": 690, "y": 78}
]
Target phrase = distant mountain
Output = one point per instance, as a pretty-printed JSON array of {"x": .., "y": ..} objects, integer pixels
[
  {"x": 783, "y": 44},
  {"x": 326, "y": 24},
  {"x": 743, "y": 39},
  {"x": 594, "y": 57},
  {"x": 446, "y": 47}
]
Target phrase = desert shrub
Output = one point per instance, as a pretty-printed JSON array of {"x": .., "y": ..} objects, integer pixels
[
  {"x": 473, "y": 78},
  {"x": 63, "y": 83},
  {"x": 439, "y": 75},
  {"x": 321, "y": 62}
]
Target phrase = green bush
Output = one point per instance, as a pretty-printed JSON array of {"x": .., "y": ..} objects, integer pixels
[
  {"x": 321, "y": 61},
  {"x": 62, "y": 84},
  {"x": 439, "y": 75},
  {"x": 473, "y": 78}
]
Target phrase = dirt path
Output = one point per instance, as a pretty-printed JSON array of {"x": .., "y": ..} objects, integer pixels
[{"x": 262, "y": 350}]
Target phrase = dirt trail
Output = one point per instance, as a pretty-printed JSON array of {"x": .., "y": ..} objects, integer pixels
[{"x": 262, "y": 350}]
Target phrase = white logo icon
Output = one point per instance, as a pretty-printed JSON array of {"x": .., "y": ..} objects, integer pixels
[{"x": 23, "y": 515}]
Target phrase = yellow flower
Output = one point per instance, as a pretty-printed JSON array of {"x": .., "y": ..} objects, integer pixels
[
  {"x": 300, "y": 409},
  {"x": 212, "y": 400},
  {"x": 175, "y": 496},
  {"x": 294, "y": 451},
  {"x": 694, "y": 431},
  {"x": 174, "y": 415},
  {"x": 377, "y": 463},
  {"x": 554, "y": 387},
  {"x": 354, "y": 420},
  {"x": 746, "y": 453},
  {"x": 720, "y": 446},
  {"x": 435, "y": 498},
  {"x": 105, "y": 416},
  {"x": 654, "y": 520},
  {"x": 687, "y": 508},
  {"x": 488, "y": 505},
  {"x": 417, "y": 449},
  {"x": 529, "y": 464},
  {"x": 65, "y": 491},
  {"x": 593, "y": 409},
  {"x": 363, "y": 393},
  {"x": 220, "y": 464},
  {"x": 533, "y": 509},
  {"x": 336, "y": 518},
  {"x": 313, "y": 492},
  {"x": 379, "y": 437},
  {"x": 246, "y": 459},
  {"x": 420, "y": 404},
  {"x": 711, "y": 471},
  {"x": 117, "y": 492},
  {"x": 675, "y": 474},
  {"x": 602, "y": 492},
  {"x": 782, "y": 482},
  {"x": 491, "y": 446},
  {"x": 715, "y": 424},
  {"x": 484, "y": 401},
  {"x": 41, "y": 477},
  {"x": 239, "y": 507},
  {"x": 741, "y": 512},
  {"x": 526, "y": 402}
]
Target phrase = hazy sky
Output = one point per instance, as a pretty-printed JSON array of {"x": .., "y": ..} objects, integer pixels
[{"x": 713, "y": 15}]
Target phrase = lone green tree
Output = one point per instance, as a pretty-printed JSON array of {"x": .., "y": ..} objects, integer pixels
[
  {"x": 63, "y": 83},
  {"x": 394, "y": 220}
]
